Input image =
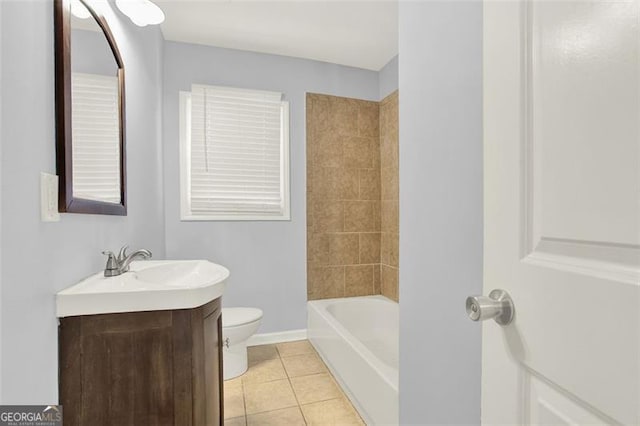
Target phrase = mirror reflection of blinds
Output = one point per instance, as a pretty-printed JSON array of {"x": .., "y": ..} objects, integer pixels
[
  {"x": 96, "y": 137},
  {"x": 236, "y": 151}
]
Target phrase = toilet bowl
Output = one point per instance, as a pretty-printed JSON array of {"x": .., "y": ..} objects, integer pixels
[{"x": 238, "y": 324}]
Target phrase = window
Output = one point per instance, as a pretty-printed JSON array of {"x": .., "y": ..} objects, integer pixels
[{"x": 234, "y": 154}]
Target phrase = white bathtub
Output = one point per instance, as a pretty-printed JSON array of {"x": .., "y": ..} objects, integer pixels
[{"x": 357, "y": 337}]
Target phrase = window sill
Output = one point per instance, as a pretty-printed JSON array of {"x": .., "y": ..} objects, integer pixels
[{"x": 234, "y": 218}]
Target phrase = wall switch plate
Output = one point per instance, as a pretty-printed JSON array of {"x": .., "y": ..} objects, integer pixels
[{"x": 49, "y": 198}]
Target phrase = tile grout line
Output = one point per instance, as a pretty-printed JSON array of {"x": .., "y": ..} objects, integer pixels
[
  {"x": 327, "y": 372},
  {"x": 336, "y": 265},
  {"x": 244, "y": 400},
  {"x": 341, "y": 397},
  {"x": 267, "y": 381},
  {"x": 344, "y": 281},
  {"x": 295, "y": 395}
]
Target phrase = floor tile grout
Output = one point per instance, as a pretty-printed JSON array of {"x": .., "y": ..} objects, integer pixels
[
  {"x": 295, "y": 395},
  {"x": 244, "y": 403},
  {"x": 287, "y": 376}
]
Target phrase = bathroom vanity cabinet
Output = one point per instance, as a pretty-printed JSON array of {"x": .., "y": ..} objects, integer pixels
[{"x": 142, "y": 368}]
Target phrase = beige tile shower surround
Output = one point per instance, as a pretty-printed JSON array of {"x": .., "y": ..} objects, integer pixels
[
  {"x": 389, "y": 172},
  {"x": 352, "y": 197}
]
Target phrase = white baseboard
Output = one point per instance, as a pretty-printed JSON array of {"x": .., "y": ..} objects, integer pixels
[{"x": 278, "y": 337}]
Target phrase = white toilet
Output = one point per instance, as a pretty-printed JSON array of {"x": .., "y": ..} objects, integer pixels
[{"x": 238, "y": 324}]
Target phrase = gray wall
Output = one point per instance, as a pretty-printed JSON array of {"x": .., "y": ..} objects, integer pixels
[
  {"x": 266, "y": 259},
  {"x": 388, "y": 78},
  {"x": 1, "y": 142},
  {"x": 440, "y": 210},
  {"x": 38, "y": 258},
  {"x": 91, "y": 54}
]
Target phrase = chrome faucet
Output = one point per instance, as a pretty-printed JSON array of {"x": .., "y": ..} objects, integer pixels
[{"x": 120, "y": 264}]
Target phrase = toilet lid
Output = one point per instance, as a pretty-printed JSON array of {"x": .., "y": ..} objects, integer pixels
[{"x": 233, "y": 317}]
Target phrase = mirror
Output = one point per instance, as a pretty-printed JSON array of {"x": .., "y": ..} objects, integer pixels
[{"x": 90, "y": 146}]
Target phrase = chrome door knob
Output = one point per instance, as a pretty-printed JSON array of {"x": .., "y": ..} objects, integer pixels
[{"x": 498, "y": 306}]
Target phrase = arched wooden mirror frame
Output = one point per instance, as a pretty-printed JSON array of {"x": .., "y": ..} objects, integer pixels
[{"x": 64, "y": 140}]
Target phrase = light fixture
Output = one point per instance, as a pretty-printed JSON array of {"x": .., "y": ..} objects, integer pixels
[
  {"x": 141, "y": 12},
  {"x": 79, "y": 10}
]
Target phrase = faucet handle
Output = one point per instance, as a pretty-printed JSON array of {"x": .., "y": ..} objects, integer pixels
[
  {"x": 112, "y": 263},
  {"x": 123, "y": 253}
]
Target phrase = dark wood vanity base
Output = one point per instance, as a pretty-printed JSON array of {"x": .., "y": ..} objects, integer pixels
[{"x": 142, "y": 368}]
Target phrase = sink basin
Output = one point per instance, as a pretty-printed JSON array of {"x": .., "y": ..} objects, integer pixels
[{"x": 150, "y": 285}]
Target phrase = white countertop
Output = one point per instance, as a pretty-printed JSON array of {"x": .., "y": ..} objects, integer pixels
[{"x": 150, "y": 285}]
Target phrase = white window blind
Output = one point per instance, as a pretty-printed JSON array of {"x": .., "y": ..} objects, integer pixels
[
  {"x": 237, "y": 155},
  {"x": 96, "y": 137}
]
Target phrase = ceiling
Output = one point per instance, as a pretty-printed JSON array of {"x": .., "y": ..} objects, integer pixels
[{"x": 362, "y": 34}]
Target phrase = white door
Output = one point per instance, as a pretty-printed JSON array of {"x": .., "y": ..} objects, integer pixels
[{"x": 562, "y": 211}]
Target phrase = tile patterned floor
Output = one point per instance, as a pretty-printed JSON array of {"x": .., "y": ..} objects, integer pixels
[{"x": 287, "y": 384}]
